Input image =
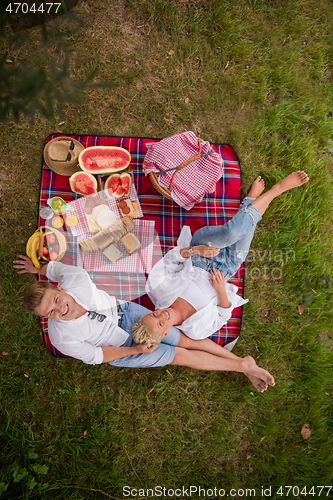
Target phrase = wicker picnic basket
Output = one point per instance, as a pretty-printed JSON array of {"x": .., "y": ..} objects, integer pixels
[{"x": 155, "y": 175}]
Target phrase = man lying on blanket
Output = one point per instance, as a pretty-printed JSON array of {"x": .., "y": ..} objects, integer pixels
[{"x": 88, "y": 324}]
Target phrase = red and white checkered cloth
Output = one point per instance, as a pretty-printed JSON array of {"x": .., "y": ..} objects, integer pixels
[
  {"x": 196, "y": 179},
  {"x": 139, "y": 262}
]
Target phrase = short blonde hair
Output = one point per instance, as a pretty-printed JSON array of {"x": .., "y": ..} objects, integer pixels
[
  {"x": 34, "y": 295},
  {"x": 142, "y": 335}
]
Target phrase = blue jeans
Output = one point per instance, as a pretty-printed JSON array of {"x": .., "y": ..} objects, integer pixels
[
  {"x": 163, "y": 354},
  {"x": 233, "y": 238}
]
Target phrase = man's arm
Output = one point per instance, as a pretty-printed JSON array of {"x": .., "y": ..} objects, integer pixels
[
  {"x": 26, "y": 266},
  {"x": 112, "y": 353}
]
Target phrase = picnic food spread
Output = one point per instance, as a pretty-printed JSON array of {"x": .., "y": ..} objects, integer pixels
[
  {"x": 89, "y": 177},
  {"x": 104, "y": 159}
]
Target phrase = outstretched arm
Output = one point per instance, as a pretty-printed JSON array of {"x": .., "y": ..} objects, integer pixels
[{"x": 26, "y": 266}]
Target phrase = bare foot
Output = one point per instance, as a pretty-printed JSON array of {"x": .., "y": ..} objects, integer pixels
[
  {"x": 291, "y": 181},
  {"x": 259, "y": 384},
  {"x": 257, "y": 188},
  {"x": 254, "y": 372}
]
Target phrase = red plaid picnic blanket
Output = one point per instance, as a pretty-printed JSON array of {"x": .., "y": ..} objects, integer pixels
[
  {"x": 195, "y": 180},
  {"x": 215, "y": 209}
]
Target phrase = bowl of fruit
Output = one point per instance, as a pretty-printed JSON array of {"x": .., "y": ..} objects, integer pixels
[{"x": 44, "y": 245}]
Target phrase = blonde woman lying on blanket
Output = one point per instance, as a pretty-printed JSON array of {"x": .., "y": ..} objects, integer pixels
[{"x": 188, "y": 286}]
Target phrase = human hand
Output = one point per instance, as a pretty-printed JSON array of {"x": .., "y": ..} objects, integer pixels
[
  {"x": 217, "y": 280},
  {"x": 25, "y": 264},
  {"x": 205, "y": 251},
  {"x": 145, "y": 348}
]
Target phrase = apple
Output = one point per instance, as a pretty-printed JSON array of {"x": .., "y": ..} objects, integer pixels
[
  {"x": 45, "y": 251},
  {"x": 55, "y": 248},
  {"x": 53, "y": 255},
  {"x": 50, "y": 238}
]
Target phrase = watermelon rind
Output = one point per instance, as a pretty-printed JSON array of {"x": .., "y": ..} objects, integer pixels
[
  {"x": 111, "y": 159},
  {"x": 83, "y": 183},
  {"x": 120, "y": 191}
]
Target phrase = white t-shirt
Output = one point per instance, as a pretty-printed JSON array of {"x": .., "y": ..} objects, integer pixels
[{"x": 83, "y": 338}]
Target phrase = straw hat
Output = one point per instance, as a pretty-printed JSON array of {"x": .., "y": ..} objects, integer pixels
[{"x": 61, "y": 155}]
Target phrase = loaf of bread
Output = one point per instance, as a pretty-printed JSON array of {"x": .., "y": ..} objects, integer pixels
[{"x": 107, "y": 237}]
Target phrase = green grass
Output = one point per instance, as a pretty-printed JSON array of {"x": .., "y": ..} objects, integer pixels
[{"x": 258, "y": 75}]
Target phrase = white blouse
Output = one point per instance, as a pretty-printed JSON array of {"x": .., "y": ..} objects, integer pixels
[{"x": 173, "y": 274}]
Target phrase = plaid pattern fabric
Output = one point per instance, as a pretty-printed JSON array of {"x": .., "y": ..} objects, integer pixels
[
  {"x": 191, "y": 183},
  {"x": 215, "y": 209}
]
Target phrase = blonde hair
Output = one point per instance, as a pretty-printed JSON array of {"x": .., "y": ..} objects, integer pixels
[
  {"x": 142, "y": 335},
  {"x": 34, "y": 295}
]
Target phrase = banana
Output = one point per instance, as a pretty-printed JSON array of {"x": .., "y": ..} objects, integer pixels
[
  {"x": 29, "y": 244},
  {"x": 33, "y": 250}
]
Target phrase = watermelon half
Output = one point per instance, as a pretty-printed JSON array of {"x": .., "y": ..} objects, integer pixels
[
  {"x": 83, "y": 183},
  {"x": 104, "y": 159},
  {"x": 118, "y": 185}
]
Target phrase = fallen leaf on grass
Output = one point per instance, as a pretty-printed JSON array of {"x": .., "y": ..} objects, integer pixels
[
  {"x": 61, "y": 123},
  {"x": 171, "y": 52},
  {"x": 4, "y": 353},
  {"x": 248, "y": 456},
  {"x": 26, "y": 376},
  {"x": 306, "y": 431},
  {"x": 301, "y": 308},
  {"x": 186, "y": 100},
  {"x": 251, "y": 470},
  {"x": 85, "y": 434}
]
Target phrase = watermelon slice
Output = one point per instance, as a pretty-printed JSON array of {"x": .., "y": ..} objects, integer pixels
[
  {"x": 104, "y": 159},
  {"x": 83, "y": 183},
  {"x": 118, "y": 185}
]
